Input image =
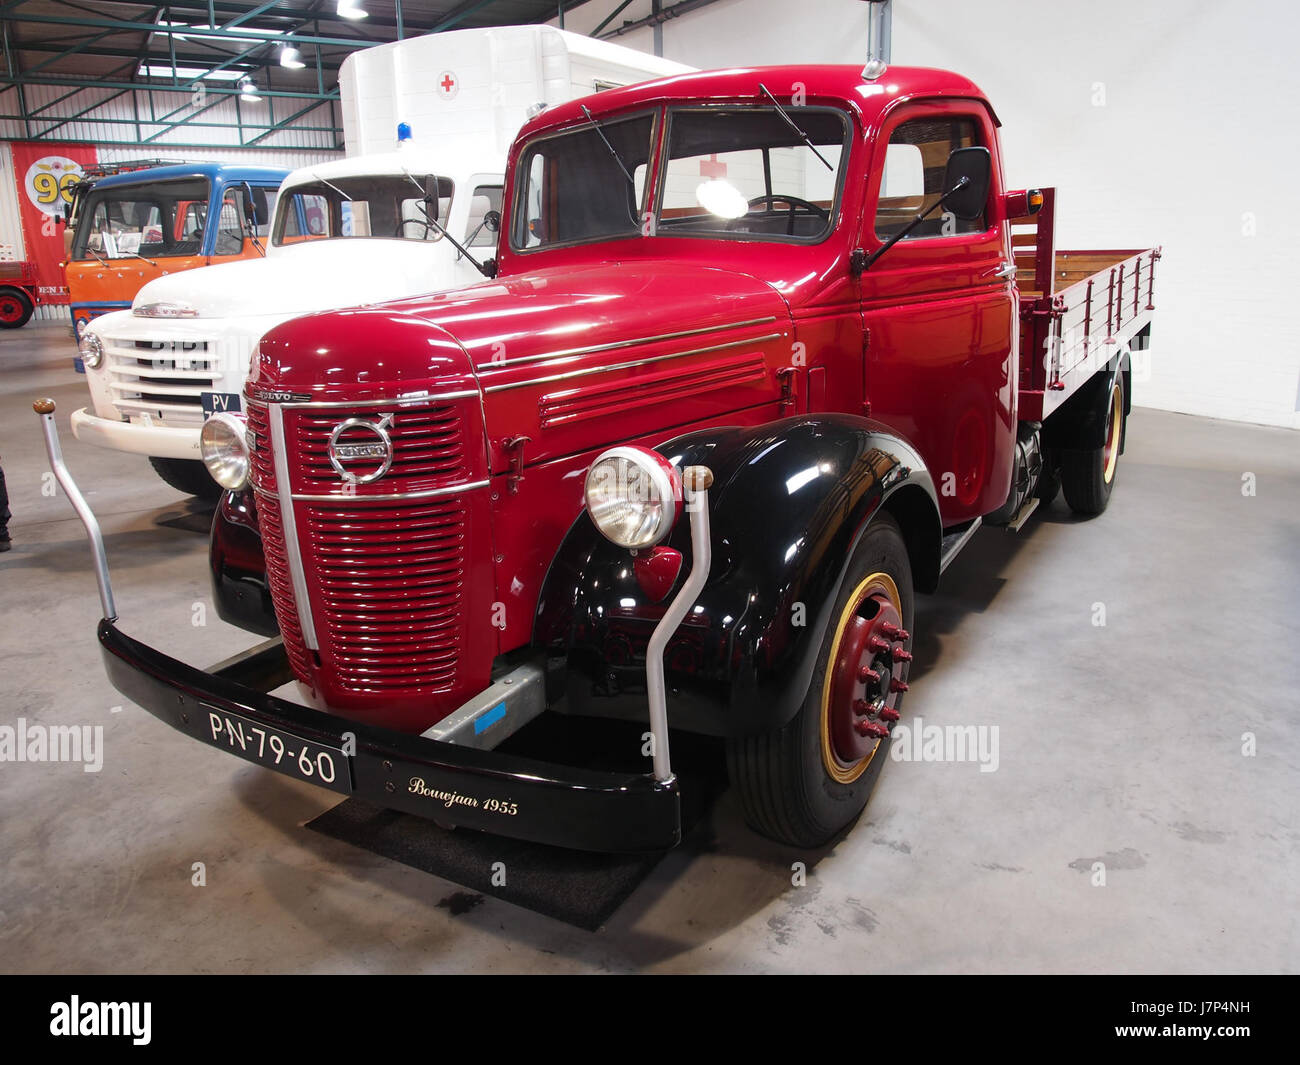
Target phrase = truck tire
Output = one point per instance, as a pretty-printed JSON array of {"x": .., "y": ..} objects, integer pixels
[
  {"x": 16, "y": 308},
  {"x": 188, "y": 476},
  {"x": 1088, "y": 475},
  {"x": 806, "y": 782}
]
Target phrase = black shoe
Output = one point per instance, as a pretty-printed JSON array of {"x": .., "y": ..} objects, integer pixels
[{"x": 5, "y": 544}]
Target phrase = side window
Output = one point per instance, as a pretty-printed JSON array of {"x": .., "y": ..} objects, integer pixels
[
  {"x": 230, "y": 223},
  {"x": 915, "y": 160},
  {"x": 486, "y": 198}
]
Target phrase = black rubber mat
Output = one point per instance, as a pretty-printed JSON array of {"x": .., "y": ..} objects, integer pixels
[{"x": 576, "y": 887}]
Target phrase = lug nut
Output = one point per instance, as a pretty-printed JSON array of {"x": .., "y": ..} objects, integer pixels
[
  {"x": 870, "y": 728},
  {"x": 868, "y": 675},
  {"x": 895, "y": 633},
  {"x": 861, "y": 707},
  {"x": 899, "y": 655},
  {"x": 877, "y": 644},
  {"x": 888, "y": 713},
  {"x": 897, "y": 685}
]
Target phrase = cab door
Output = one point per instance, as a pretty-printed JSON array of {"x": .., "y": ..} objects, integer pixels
[
  {"x": 230, "y": 238},
  {"x": 940, "y": 309}
]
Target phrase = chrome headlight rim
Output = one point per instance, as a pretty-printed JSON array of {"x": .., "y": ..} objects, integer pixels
[
  {"x": 223, "y": 446},
  {"x": 666, "y": 484},
  {"x": 91, "y": 349}
]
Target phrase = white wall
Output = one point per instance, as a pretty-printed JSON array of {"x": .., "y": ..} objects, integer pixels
[{"x": 1161, "y": 122}]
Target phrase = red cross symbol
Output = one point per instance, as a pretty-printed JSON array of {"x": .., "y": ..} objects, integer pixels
[
  {"x": 713, "y": 167},
  {"x": 448, "y": 83}
]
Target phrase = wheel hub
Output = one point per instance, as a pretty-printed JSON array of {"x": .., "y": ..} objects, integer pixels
[{"x": 867, "y": 680}]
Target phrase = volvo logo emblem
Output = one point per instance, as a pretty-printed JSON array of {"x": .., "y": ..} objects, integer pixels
[{"x": 361, "y": 451}]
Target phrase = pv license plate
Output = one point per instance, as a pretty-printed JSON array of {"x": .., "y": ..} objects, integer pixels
[{"x": 276, "y": 749}]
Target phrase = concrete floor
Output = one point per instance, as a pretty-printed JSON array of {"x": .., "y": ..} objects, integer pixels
[{"x": 1119, "y": 743}]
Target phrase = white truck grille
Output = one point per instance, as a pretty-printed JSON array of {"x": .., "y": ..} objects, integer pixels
[{"x": 161, "y": 379}]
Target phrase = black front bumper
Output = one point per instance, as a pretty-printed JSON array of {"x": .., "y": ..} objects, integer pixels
[{"x": 568, "y": 807}]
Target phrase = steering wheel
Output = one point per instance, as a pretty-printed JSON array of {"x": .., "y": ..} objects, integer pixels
[
  {"x": 795, "y": 204},
  {"x": 401, "y": 226}
]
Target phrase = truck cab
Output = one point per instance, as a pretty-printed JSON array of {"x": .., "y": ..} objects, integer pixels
[
  {"x": 135, "y": 226},
  {"x": 779, "y": 302}
]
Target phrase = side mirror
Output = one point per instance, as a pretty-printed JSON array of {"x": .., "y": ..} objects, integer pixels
[
  {"x": 432, "y": 201},
  {"x": 250, "y": 208},
  {"x": 492, "y": 221},
  {"x": 972, "y": 168}
]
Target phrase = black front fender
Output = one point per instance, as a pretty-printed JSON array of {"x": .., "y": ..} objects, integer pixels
[{"x": 789, "y": 502}]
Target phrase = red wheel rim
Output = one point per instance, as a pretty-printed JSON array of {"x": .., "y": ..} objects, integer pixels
[
  {"x": 864, "y": 679},
  {"x": 10, "y": 309}
]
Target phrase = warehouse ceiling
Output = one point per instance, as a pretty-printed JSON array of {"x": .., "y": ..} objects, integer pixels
[{"x": 113, "y": 42}]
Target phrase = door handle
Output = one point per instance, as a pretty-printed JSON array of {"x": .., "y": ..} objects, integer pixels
[{"x": 1003, "y": 272}]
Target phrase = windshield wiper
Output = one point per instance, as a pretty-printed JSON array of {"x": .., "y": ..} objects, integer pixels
[
  {"x": 616, "y": 157},
  {"x": 487, "y": 269},
  {"x": 791, "y": 123},
  {"x": 331, "y": 185},
  {"x": 612, "y": 150},
  {"x": 137, "y": 255}
]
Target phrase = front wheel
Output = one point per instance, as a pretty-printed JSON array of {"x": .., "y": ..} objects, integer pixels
[
  {"x": 188, "y": 476},
  {"x": 16, "y": 308},
  {"x": 806, "y": 782},
  {"x": 1087, "y": 476}
]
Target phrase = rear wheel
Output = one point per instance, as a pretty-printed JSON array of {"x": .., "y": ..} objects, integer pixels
[
  {"x": 1088, "y": 476},
  {"x": 15, "y": 308},
  {"x": 188, "y": 476},
  {"x": 804, "y": 783}
]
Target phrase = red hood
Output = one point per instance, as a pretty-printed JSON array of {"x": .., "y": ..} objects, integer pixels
[{"x": 619, "y": 329}]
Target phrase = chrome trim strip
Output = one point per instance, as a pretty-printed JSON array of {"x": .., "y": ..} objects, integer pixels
[
  {"x": 629, "y": 365},
  {"x": 490, "y": 367},
  {"x": 292, "y": 549},
  {"x": 357, "y": 497},
  {"x": 343, "y": 403}
]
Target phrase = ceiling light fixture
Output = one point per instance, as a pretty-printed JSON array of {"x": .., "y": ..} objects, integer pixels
[
  {"x": 248, "y": 90},
  {"x": 290, "y": 58},
  {"x": 351, "y": 9}
]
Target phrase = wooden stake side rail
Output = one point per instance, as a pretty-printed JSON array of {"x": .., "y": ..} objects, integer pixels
[{"x": 1072, "y": 332}]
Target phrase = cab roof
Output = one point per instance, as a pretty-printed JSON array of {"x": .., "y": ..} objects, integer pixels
[
  {"x": 206, "y": 171},
  {"x": 820, "y": 83}
]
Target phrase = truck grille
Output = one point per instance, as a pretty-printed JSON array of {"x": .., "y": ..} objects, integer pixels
[
  {"x": 386, "y": 577},
  {"x": 390, "y": 582},
  {"x": 160, "y": 378},
  {"x": 428, "y": 443}
]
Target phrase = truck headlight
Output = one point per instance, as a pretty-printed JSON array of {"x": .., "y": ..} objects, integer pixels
[
  {"x": 91, "y": 349},
  {"x": 224, "y": 447},
  {"x": 633, "y": 496}
]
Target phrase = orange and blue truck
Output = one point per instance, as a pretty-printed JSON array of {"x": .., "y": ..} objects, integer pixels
[{"x": 133, "y": 227}]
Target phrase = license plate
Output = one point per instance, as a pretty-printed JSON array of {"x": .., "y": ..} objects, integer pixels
[
  {"x": 282, "y": 751},
  {"x": 219, "y": 403}
]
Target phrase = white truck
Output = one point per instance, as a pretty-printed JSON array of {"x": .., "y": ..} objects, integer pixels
[{"x": 380, "y": 224}]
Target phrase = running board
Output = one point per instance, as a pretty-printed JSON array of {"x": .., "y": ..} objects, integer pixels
[
  {"x": 1031, "y": 505},
  {"x": 955, "y": 540}
]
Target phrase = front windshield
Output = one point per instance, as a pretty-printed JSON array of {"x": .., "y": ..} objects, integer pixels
[
  {"x": 736, "y": 173},
  {"x": 749, "y": 174},
  {"x": 153, "y": 220},
  {"x": 394, "y": 206}
]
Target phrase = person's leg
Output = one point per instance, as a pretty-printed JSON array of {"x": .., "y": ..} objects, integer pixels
[{"x": 4, "y": 512}]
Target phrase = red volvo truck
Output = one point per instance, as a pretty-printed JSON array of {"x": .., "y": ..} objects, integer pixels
[{"x": 760, "y": 350}]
